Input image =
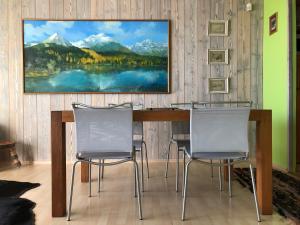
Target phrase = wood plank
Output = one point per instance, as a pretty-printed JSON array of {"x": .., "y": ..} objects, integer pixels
[
  {"x": 111, "y": 12},
  {"x": 69, "y": 12},
  {"x": 152, "y": 11},
  {"x": 56, "y": 11},
  {"x": 4, "y": 70},
  {"x": 203, "y": 69},
  {"x": 43, "y": 101}
]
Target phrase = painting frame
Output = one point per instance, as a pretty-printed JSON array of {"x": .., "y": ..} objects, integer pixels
[
  {"x": 221, "y": 85},
  {"x": 273, "y": 23},
  {"x": 224, "y": 59},
  {"x": 169, "y": 60},
  {"x": 214, "y": 33}
]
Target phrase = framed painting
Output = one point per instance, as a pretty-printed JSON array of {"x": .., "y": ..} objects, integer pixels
[
  {"x": 218, "y": 85},
  {"x": 217, "y": 56},
  {"x": 273, "y": 23},
  {"x": 218, "y": 28},
  {"x": 96, "y": 56}
]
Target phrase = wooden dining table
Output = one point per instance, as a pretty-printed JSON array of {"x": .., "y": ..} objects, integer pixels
[{"x": 263, "y": 119}]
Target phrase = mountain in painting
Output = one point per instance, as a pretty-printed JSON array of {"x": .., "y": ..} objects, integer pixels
[
  {"x": 102, "y": 44},
  {"x": 57, "y": 39},
  {"x": 56, "y": 53},
  {"x": 148, "y": 47}
]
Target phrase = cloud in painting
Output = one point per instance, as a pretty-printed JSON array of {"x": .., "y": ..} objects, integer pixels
[{"x": 37, "y": 32}]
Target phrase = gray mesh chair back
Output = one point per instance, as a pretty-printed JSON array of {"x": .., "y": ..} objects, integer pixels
[
  {"x": 103, "y": 130},
  {"x": 219, "y": 130}
]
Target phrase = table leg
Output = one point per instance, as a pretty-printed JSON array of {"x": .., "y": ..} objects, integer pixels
[
  {"x": 84, "y": 172},
  {"x": 58, "y": 164},
  {"x": 264, "y": 163}
]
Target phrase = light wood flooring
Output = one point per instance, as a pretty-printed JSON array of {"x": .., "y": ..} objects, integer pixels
[{"x": 161, "y": 204}]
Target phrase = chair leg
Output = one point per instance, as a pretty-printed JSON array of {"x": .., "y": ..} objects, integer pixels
[
  {"x": 102, "y": 175},
  {"x": 185, "y": 188},
  {"x": 99, "y": 175},
  {"x": 168, "y": 157},
  {"x": 254, "y": 193},
  {"x": 90, "y": 179},
  {"x": 142, "y": 168},
  {"x": 177, "y": 169},
  {"x": 146, "y": 156},
  {"x": 220, "y": 177},
  {"x": 229, "y": 178},
  {"x": 183, "y": 174},
  {"x": 211, "y": 169},
  {"x": 135, "y": 183},
  {"x": 138, "y": 189},
  {"x": 71, "y": 191}
]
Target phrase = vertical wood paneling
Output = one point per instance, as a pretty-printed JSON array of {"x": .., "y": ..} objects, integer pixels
[
  {"x": 56, "y": 11},
  {"x": 30, "y": 151},
  {"x": 28, "y": 122},
  {"x": 43, "y": 101},
  {"x": 111, "y": 12},
  {"x": 97, "y": 12},
  {"x": 69, "y": 12},
  {"x": 152, "y": 11},
  {"x": 203, "y": 70},
  {"x": 4, "y": 64}
]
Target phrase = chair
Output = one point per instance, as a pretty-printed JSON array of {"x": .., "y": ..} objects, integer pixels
[
  {"x": 180, "y": 132},
  {"x": 138, "y": 142},
  {"x": 104, "y": 133},
  {"x": 219, "y": 134}
]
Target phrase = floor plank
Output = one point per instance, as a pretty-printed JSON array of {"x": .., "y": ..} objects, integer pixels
[{"x": 161, "y": 204}]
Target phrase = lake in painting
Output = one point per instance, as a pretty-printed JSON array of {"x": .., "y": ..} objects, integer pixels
[
  {"x": 96, "y": 56},
  {"x": 116, "y": 80}
]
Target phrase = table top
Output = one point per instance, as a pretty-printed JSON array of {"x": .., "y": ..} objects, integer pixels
[{"x": 170, "y": 114}]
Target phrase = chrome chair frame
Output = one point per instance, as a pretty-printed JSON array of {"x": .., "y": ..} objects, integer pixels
[
  {"x": 230, "y": 162},
  {"x": 101, "y": 163}
]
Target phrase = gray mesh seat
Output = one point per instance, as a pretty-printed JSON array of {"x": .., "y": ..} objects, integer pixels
[
  {"x": 222, "y": 134},
  {"x": 104, "y": 133}
]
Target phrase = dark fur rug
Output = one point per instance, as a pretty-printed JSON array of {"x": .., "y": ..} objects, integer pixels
[
  {"x": 15, "y": 210},
  {"x": 286, "y": 192}
]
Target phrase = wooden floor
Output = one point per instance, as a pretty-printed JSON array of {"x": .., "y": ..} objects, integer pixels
[{"x": 161, "y": 204}]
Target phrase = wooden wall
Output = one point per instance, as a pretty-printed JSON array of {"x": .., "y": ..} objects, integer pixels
[{"x": 26, "y": 118}]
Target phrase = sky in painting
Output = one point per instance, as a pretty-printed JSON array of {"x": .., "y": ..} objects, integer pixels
[{"x": 124, "y": 32}]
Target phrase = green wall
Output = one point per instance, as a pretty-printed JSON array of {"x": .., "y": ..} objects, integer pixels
[{"x": 275, "y": 78}]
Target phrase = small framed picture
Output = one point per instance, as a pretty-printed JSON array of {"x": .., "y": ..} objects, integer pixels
[
  {"x": 218, "y": 28},
  {"x": 218, "y": 85},
  {"x": 273, "y": 23},
  {"x": 217, "y": 56}
]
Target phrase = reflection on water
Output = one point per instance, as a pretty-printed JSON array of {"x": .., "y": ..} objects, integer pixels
[{"x": 79, "y": 80}]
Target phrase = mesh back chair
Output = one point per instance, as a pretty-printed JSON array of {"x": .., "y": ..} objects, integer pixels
[
  {"x": 104, "y": 133},
  {"x": 138, "y": 143},
  {"x": 220, "y": 134},
  {"x": 180, "y": 132}
]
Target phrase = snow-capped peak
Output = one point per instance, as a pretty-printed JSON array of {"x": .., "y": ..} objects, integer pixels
[
  {"x": 93, "y": 40},
  {"x": 149, "y": 47},
  {"x": 57, "y": 39}
]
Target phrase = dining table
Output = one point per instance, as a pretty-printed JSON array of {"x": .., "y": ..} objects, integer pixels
[{"x": 262, "y": 118}]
